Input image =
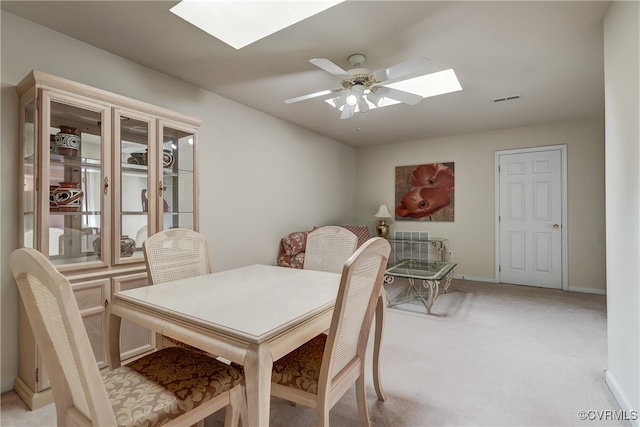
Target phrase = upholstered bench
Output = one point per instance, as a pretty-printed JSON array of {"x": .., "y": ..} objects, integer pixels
[{"x": 293, "y": 245}]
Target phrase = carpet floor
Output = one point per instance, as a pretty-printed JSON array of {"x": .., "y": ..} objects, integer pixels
[{"x": 489, "y": 355}]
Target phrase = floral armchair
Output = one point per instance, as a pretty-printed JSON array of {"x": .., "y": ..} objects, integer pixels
[{"x": 293, "y": 245}]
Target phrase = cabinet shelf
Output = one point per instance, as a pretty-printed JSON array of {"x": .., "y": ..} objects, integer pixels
[
  {"x": 66, "y": 161},
  {"x": 74, "y": 213}
]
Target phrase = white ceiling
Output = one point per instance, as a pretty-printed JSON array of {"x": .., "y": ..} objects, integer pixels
[{"x": 551, "y": 52}]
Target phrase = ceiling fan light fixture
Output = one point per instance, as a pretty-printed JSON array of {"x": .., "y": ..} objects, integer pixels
[
  {"x": 363, "y": 105},
  {"x": 375, "y": 99},
  {"x": 351, "y": 99},
  {"x": 348, "y": 111},
  {"x": 338, "y": 102}
]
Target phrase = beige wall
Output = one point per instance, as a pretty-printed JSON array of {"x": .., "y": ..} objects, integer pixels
[
  {"x": 622, "y": 102},
  {"x": 472, "y": 234},
  {"x": 260, "y": 177}
]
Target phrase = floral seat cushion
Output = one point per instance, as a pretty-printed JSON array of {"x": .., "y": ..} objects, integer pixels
[
  {"x": 300, "y": 369},
  {"x": 166, "y": 384}
]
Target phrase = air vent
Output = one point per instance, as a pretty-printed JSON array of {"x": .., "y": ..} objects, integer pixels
[{"x": 506, "y": 98}]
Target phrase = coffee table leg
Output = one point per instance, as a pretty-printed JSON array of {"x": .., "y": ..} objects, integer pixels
[
  {"x": 414, "y": 291},
  {"x": 433, "y": 293},
  {"x": 380, "y": 313},
  {"x": 448, "y": 281}
]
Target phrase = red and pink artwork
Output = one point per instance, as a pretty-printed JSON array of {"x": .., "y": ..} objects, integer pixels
[{"x": 425, "y": 192}]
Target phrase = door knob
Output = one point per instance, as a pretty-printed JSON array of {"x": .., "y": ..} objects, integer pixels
[{"x": 556, "y": 226}]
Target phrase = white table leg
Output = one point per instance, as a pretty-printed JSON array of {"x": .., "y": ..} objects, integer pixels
[{"x": 257, "y": 369}]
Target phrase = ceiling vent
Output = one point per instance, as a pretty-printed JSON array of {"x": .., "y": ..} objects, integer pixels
[{"x": 506, "y": 98}]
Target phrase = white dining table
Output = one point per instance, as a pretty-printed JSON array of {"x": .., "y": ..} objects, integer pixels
[{"x": 251, "y": 315}]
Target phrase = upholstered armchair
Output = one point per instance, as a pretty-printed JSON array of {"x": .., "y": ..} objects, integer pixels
[{"x": 293, "y": 245}]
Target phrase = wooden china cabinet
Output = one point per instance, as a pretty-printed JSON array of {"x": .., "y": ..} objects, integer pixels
[{"x": 101, "y": 172}]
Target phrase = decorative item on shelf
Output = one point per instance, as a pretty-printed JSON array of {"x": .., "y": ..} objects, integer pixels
[
  {"x": 138, "y": 158},
  {"x": 53, "y": 148},
  {"x": 145, "y": 201},
  {"x": 68, "y": 196},
  {"x": 96, "y": 245},
  {"x": 127, "y": 246},
  {"x": 167, "y": 158},
  {"x": 67, "y": 141},
  {"x": 141, "y": 158},
  {"x": 53, "y": 205},
  {"x": 383, "y": 212}
]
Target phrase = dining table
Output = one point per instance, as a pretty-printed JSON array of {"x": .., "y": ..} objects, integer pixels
[{"x": 250, "y": 315}]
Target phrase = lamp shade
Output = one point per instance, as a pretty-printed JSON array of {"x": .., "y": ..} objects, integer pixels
[{"x": 383, "y": 212}]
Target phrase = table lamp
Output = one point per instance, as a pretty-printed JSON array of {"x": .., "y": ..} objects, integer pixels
[{"x": 382, "y": 229}]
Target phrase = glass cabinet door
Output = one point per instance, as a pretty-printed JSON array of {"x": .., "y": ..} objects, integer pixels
[
  {"x": 29, "y": 167},
  {"x": 134, "y": 197},
  {"x": 74, "y": 180},
  {"x": 178, "y": 175}
]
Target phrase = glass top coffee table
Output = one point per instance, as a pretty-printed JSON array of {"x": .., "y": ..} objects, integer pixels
[{"x": 430, "y": 272}]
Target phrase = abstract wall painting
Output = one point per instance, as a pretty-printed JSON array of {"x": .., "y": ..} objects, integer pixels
[{"x": 425, "y": 192}]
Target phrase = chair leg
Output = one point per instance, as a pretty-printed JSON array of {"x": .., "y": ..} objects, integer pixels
[
  {"x": 362, "y": 402},
  {"x": 233, "y": 411},
  {"x": 323, "y": 417}
]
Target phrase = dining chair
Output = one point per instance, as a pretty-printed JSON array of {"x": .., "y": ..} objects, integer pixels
[
  {"x": 175, "y": 254},
  {"x": 170, "y": 387},
  {"x": 328, "y": 248},
  {"x": 318, "y": 373}
]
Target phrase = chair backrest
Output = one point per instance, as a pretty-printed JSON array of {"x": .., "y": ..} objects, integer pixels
[
  {"x": 360, "y": 286},
  {"x": 51, "y": 307},
  {"x": 328, "y": 248},
  {"x": 175, "y": 254}
]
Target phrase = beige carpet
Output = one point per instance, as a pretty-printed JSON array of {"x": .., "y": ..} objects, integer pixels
[{"x": 491, "y": 355}]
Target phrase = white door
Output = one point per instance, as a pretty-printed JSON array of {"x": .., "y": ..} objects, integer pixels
[{"x": 530, "y": 218}]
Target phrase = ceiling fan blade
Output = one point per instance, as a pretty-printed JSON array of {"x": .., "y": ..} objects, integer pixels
[
  {"x": 413, "y": 67},
  {"x": 330, "y": 68},
  {"x": 399, "y": 95},
  {"x": 311, "y": 95}
]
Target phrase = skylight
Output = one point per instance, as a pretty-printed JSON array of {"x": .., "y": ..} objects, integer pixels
[
  {"x": 239, "y": 23},
  {"x": 432, "y": 84}
]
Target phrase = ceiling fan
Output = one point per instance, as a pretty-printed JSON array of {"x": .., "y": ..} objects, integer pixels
[{"x": 360, "y": 89}]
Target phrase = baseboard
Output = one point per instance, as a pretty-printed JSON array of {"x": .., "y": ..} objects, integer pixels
[
  {"x": 632, "y": 414},
  {"x": 475, "y": 278},
  {"x": 8, "y": 385},
  {"x": 33, "y": 400},
  {"x": 587, "y": 290},
  {"x": 569, "y": 289}
]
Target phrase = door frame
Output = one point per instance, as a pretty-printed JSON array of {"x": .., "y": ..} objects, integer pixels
[{"x": 563, "y": 188}]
